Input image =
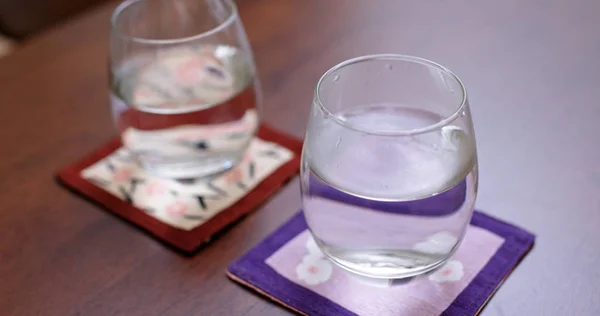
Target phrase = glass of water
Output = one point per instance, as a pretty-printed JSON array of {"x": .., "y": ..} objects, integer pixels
[
  {"x": 389, "y": 165},
  {"x": 183, "y": 85}
]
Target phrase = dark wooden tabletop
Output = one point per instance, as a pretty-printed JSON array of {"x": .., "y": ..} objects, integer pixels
[{"x": 532, "y": 71}]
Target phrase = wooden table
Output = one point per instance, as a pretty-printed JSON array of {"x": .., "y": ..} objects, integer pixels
[{"x": 532, "y": 70}]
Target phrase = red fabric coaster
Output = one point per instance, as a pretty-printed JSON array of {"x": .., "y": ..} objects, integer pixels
[{"x": 182, "y": 239}]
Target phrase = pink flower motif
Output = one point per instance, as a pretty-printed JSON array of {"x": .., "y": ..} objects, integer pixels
[
  {"x": 233, "y": 176},
  {"x": 452, "y": 271},
  {"x": 122, "y": 175},
  {"x": 142, "y": 94},
  {"x": 314, "y": 270},
  {"x": 247, "y": 157},
  {"x": 188, "y": 71},
  {"x": 155, "y": 188},
  {"x": 176, "y": 208}
]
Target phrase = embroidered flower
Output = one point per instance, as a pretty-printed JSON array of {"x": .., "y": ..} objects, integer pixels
[
  {"x": 142, "y": 94},
  {"x": 450, "y": 272},
  {"x": 205, "y": 67},
  {"x": 122, "y": 175},
  {"x": 155, "y": 188},
  {"x": 247, "y": 157},
  {"x": 233, "y": 176},
  {"x": 188, "y": 71},
  {"x": 439, "y": 243},
  {"x": 176, "y": 208},
  {"x": 314, "y": 270}
]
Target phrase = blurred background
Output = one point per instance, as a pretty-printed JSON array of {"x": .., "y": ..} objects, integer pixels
[
  {"x": 23, "y": 19},
  {"x": 530, "y": 66}
]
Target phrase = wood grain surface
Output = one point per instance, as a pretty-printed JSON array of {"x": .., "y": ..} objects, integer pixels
[{"x": 531, "y": 69}]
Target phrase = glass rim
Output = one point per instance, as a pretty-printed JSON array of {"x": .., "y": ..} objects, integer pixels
[
  {"x": 125, "y": 4},
  {"x": 397, "y": 57}
]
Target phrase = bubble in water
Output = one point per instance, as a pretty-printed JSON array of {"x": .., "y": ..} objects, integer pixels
[
  {"x": 463, "y": 113},
  {"x": 336, "y": 78},
  {"x": 337, "y": 144}
]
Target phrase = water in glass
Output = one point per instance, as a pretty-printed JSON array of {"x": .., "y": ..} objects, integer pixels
[
  {"x": 388, "y": 189},
  {"x": 183, "y": 85},
  {"x": 186, "y": 111}
]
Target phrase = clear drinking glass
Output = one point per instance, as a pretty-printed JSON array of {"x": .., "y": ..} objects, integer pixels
[
  {"x": 183, "y": 85},
  {"x": 389, "y": 165}
]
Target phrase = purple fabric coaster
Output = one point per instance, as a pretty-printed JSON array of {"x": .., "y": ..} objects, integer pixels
[{"x": 289, "y": 268}]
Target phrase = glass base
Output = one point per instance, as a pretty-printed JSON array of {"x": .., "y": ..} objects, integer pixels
[{"x": 384, "y": 264}]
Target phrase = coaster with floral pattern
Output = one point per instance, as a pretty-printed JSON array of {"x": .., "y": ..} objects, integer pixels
[
  {"x": 289, "y": 268},
  {"x": 185, "y": 213}
]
